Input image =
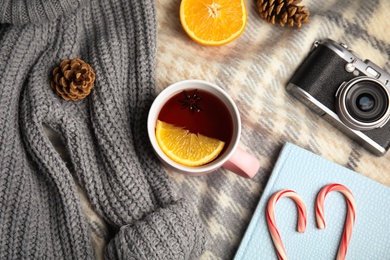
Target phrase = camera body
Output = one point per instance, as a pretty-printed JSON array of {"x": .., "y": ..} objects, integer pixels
[{"x": 352, "y": 94}]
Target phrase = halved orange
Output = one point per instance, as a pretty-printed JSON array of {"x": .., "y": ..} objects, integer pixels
[
  {"x": 213, "y": 22},
  {"x": 185, "y": 147}
]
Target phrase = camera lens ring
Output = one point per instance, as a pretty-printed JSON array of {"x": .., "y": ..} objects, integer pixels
[{"x": 367, "y": 114}]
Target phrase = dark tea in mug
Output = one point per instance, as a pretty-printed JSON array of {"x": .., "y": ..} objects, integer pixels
[
  {"x": 199, "y": 111},
  {"x": 205, "y": 109}
]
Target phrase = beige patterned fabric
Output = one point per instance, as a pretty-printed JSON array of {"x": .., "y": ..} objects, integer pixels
[{"x": 254, "y": 70}]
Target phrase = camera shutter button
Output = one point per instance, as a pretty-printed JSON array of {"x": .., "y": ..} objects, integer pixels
[{"x": 350, "y": 67}]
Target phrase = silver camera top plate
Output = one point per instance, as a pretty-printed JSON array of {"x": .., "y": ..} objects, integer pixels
[{"x": 354, "y": 63}]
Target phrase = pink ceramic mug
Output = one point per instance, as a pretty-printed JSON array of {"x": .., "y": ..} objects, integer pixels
[{"x": 232, "y": 158}]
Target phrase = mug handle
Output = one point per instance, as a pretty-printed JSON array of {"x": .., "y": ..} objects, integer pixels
[{"x": 242, "y": 163}]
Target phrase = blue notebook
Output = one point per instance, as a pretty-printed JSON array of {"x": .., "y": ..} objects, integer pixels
[{"x": 306, "y": 173}]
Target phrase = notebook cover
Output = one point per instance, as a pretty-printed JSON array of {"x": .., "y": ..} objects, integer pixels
[{"x": 306, "y": 173}]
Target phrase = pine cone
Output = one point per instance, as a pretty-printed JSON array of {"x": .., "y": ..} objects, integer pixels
[
  {"x": 283, "y": 12},
  {"x": 73, "y": 79}
]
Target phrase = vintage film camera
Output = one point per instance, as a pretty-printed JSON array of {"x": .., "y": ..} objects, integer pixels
[{"x": 352, "y": 94}]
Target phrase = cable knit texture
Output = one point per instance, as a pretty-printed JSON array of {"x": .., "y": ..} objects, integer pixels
[{"x": 105, "y": 135}]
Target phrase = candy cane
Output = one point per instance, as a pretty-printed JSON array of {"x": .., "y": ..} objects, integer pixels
[
  {"x": 349, "y": 221},
  {"x": 281, "y": 252}
]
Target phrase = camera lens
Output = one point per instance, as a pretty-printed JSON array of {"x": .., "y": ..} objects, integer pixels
[
  {"x": 366, "y": 101},
  {"x": 363, "y": 103}
]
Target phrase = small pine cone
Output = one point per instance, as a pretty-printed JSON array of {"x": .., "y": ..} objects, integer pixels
[
  {"x": 73, "y": 79},
  {"x": 283, "y": 12}
]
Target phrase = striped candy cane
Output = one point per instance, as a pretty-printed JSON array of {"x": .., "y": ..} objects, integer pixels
[
  {"x": 281, "y": 252},
  {"x": 349, "y": 221}
]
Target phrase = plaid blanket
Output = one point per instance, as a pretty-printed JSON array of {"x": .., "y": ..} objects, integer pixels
[{"x": 255, "y": 69}]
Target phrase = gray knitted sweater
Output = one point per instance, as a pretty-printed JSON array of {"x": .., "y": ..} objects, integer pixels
[{"x": 105, "y": 135}]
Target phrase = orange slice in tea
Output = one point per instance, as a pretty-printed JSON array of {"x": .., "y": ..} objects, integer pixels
[
  {"x": 185, "y": 147},
  {"x": 213, "y": 22}
]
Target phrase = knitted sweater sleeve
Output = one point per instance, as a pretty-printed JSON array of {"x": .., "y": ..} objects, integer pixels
[
  {"x": 105, "y": 135},
  {"x": 35, "y": 11}
]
